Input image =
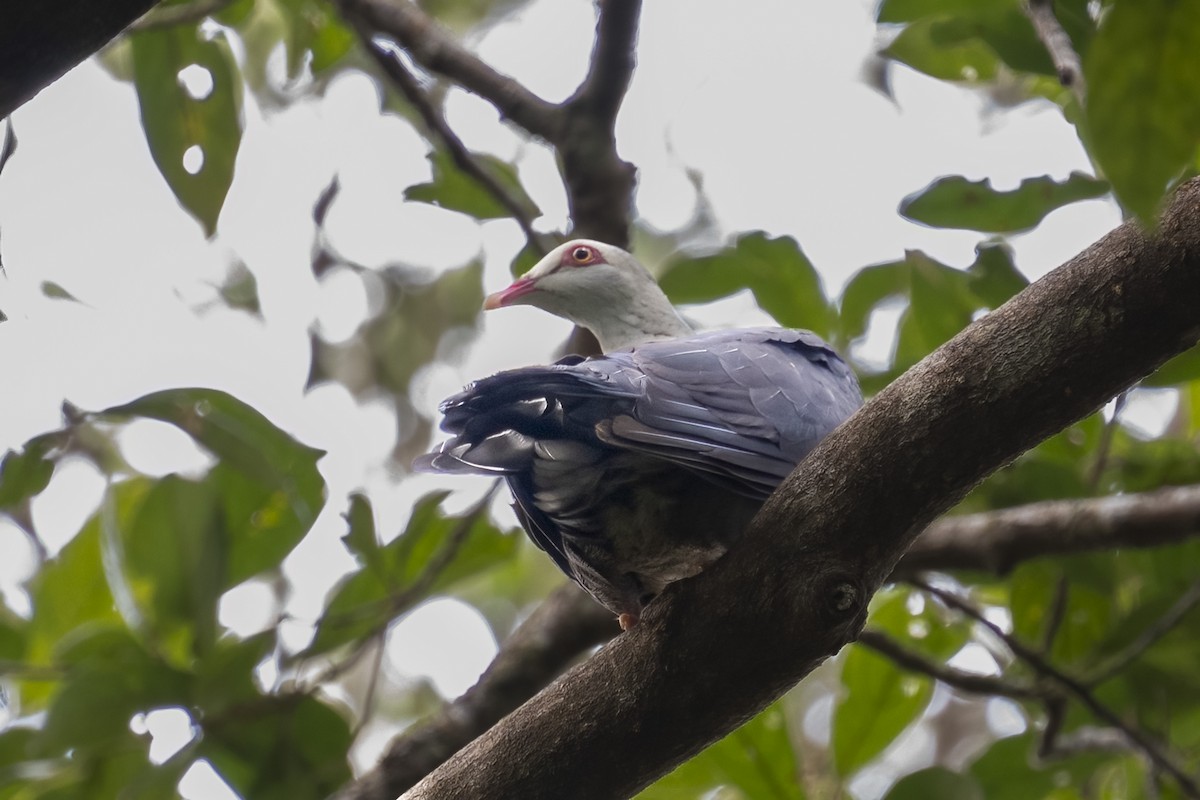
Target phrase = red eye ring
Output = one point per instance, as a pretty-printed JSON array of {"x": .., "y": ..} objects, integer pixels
[{"x": 581, "y": 255}]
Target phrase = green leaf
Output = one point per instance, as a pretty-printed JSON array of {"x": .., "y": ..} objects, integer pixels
[
  {"x": 913, "y": 10},
  {"x": 225, "y": 676},
  {"x": 13, "y": 634},
  {"x": 292, "y": 748},
  {"x": 1143, "y": 122},
  {"x": 1182, "y": 368},
  {"x": 756, "y": 761},
  {"x": 369, "y": 598},
  {"x": 919, "y": 47},
  {"x": 994, "y": 278},
  {"x": 174, "y": 557},
  {"x": 881, "y": 700},
  {"x": 936, "y": 783},
  {"x": 784, "y": 282},
  {"x": 109, "y": 678},
  {"x": 56, "y": 292},
  {"x": 869, "y": 288},
  {"x": 955, "y": 202},
  {"x": 242, "y": 438},
  {"x": 361, "y": 538},
  {"x": 456, "y": 190},
  {"x": 25, "y": 474},
  {"x": 309, "y": 27},
  {"x": 940, "y": 306},
  {"x": 1006, "y": 770},
  {"x": 175, "y": 121}
]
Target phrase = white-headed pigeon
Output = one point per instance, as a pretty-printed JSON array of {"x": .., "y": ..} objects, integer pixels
[{"x": 641, "y": 466}]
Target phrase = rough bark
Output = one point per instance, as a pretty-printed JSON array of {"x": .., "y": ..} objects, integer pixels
[
  {"x": 715, "y": 650},
  {"x": 40, "y": 41}
]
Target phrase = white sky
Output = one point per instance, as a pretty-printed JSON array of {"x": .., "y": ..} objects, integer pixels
[{"x": 764, "y": 99}]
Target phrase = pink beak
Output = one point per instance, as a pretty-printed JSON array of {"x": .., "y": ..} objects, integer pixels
[{"x": 505, "y": 297}]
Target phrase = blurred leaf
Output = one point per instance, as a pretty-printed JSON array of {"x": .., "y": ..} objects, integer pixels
[
  {"x": 241, "y": 437},
  {"x": 1006, "y": 770},
  {"x": 13, "y": 633},
  {"x": 109, "y": 678},
  {"x": 292, "y": 748},
  {"x": 867, "y": 290},
  {"x": 784, "y": 282},
  {"x": 260, "y": 525},
  {"x": 10, "y": 144},
  {"x": 225, "y": 677},
  {"x": 1143, "y": 124},
  {"x": 310, "y": 27},
  {"x": 994, "y": 278},
  {"x": 936, "y": 783},
  {"x": 940, "y": 306},
  {"x": 366, "y": 600},
  {"x": 453, "y": 189},
  {"x": 56, "y": 292},
  {"x": 524, "y": 260},
  {"x": 240, "y": 290},
  {"x": 25, "y": 474},
  {"x": 918, "y": 47},
  {"x": 1182, "y": 368},
  {"x": 913, "y": 10},
  {"x": 175, "y": 121},
  {"x": 756, "y": 760},
  {"x": 174, "y": 560},
  {"x": 881, "y": 700},
  {"x": 361, "y": 539},
  {"x": 955, "y": 202},
  {"x": 1006, "y": 31}
]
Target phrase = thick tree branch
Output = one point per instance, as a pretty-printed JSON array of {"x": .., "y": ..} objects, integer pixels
[
  {"x": 996, "y": 541},
  {"x": 436, "y": 50},
  {"x": 562, "y": 628},
  {"x": 714, "y": 650},
  {"x": 40, "y": 41},
  {"x": 613, "y": 59}
]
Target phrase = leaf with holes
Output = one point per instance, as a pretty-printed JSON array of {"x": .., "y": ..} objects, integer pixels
[
  {"x": 194, "y": 139},
  {"x": 955, "y": 202}
]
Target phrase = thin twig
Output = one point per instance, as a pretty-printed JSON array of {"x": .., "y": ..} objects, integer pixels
[
  {"x": 1058, "y": 45},
  {"x": 1153, "y": 750},
  {"x": 964, "y": 681},
  {"x": 164, "y": 16},
  {"x": 368, "y": 702},
  {"x": 1058, "y": 610},
  {"x": 1104, "y": 447},
  {"x": 408, "y": 85},
  {"x": 435, "y": 50},
  {"x": 1174, "y": 615}
]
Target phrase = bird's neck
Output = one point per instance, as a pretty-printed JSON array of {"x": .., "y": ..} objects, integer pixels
[{"x": 649, "y": 317}]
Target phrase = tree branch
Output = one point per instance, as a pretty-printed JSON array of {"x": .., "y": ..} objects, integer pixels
[
  {"x": 795, "y": 590},
  {"x": 613, "y": 58},
  {"x": 407, "y": 83},
  {"x": 1058, "y": 45},
  {"x": 433, "y": 48},
  {"x": 40, "y": 41},
  {"x": 564, "y": 626},
  {"x": 963, "y": 681},
  {"x": 996, "y": 541}
]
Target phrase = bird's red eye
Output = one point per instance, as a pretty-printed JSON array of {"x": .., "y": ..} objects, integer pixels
[{"x": 582, "y": 255}]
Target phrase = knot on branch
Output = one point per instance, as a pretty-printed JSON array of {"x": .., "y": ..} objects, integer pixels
[{"x": 844, "y": 599}]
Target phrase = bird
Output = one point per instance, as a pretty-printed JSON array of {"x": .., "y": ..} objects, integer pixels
[{"x": 641, "y": 466}]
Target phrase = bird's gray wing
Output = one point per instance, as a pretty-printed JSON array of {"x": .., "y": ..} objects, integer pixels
[{"x": 740, "y": 407}]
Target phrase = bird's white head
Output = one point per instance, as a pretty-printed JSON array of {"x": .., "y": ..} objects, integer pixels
[{"x": 600, "y": 287}]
